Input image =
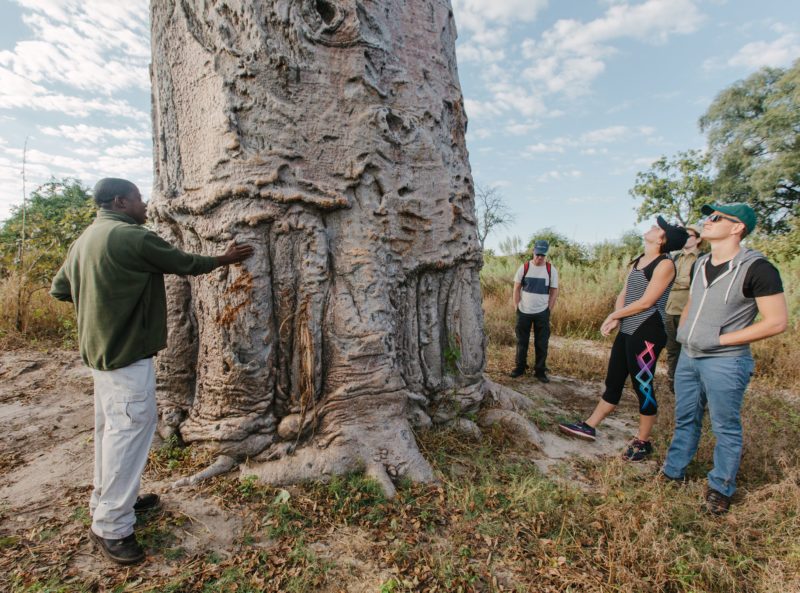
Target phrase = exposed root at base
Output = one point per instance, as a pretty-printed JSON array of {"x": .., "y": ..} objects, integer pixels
[
  {"x": 383, "y": 463},
  {"x": 517, "y": 426},
  {"x": 383, "y": 451},
  {"x": 221, "y": 465}
]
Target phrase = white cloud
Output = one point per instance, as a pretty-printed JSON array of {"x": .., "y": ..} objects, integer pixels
[
  {"x": 542, "y": 148},
  {"x": 17, "y": 91},
  {"x": 480, "y": 133},
  {"x": 471, "y": 52},
  {"x": 644, "y": 161},
  {"x": 484, "y": 26},
  {"x": 477, "y": 16},
  {"x": 778, "y": 53},
  {"x": 90, "y": 45},
  {"x": 131, "y": 161},
  {"x": 94, "y": 134},
  {"x": 605, "y": 135},
  {"x": 571, "y": 54},
  {"x": 559, "y": 175},
  {"x": 521, "y": 128}
]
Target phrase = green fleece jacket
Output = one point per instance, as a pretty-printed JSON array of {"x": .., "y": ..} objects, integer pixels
[{"x": 114, "y": 274}]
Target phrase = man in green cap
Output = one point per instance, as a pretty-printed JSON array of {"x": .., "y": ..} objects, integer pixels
[
  {"x": 114, "y": 275},
  {"x": 730, "y": 286}
]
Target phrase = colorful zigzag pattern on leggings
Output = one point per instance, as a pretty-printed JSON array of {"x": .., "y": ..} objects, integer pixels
[{"x": 646, "y": 359}]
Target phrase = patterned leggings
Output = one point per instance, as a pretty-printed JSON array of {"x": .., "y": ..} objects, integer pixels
[{"x": 635, "y": 356}]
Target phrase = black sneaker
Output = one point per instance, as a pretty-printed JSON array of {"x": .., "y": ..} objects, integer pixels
[
  {"x": 543, "y": 377},
  {"x": 578, "y": 429},
  {"x": 638, "y": 450},
  {"x": 516, "y": 373},
  {"x": 147, "y": 502},
  {"x": 122, "y": 551},
  {"x": 717, "y": 503}
]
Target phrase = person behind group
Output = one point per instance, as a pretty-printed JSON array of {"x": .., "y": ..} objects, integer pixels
[
  {"x": 639, "y": 314},
  {"x": 678, "y": 296},
  {"x": 113, "y": 273},
  {"x": 731, "y": 285},
  {"x": 535, "y": 295}
]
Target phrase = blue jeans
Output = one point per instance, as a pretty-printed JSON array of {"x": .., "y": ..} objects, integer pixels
[{"x": 720, "y": 383}]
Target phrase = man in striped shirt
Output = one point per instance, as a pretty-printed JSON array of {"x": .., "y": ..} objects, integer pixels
[{"x": 535, "y": 294}]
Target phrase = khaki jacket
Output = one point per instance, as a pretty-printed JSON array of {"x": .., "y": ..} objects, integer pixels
[{"x": 680, "y": 288}]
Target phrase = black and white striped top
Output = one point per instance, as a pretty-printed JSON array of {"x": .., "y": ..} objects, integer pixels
[{"x": 636, "y": 284}]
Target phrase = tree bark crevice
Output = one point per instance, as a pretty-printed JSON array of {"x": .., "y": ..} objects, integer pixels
[{"x": 329, "y": 134}]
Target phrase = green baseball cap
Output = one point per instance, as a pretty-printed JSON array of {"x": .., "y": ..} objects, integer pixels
[{"x": 738, "y": 209}]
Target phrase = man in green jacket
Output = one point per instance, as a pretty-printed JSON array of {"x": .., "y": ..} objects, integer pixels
[{"x": 114, "y": 275}]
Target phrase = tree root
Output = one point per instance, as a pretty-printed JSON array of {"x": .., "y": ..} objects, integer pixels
[
  {"x": 509, "y": 414},
  {"x": 384, "y": 453},
  {"x": 384, "y": 457},
  {"x": 221, "y": 465},
  {"x": 506, "y": 398},
  {"x": 518, "y": 426}
]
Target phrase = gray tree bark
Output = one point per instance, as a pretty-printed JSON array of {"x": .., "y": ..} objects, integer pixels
[{"x": 329, "y": 134}]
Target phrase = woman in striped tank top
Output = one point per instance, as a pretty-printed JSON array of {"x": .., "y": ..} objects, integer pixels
[{"x": 639, "y": 313}]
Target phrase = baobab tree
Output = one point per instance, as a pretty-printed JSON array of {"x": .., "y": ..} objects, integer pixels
[{"x": 329, "y": 134}]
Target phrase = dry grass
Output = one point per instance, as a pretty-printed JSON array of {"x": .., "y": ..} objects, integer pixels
[
  {"x": 43, "y": 320},
  {"x": 494, "y": 523},
  {"x": 586, "y": 296}
]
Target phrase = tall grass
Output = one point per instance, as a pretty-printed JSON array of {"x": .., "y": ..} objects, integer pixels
[
  {"x": 586, "y": 295},
  {"x": 35, "y": 318}
]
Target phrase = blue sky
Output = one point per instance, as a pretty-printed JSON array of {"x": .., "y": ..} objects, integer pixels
[{"x": 567, "y": 100}]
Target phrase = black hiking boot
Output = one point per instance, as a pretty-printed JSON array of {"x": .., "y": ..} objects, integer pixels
[
  {"x": 542, "y": 377},
  {"x": 147, "y": 502},
  {"x": 717, "y": 503},
  {"x": 516, "y": 373},
  {"x": 122, "y": 551},
  {"x": 638, "y": 450}
]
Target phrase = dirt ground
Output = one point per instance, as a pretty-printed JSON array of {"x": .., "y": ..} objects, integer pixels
[{"x": 46, "y": 472}]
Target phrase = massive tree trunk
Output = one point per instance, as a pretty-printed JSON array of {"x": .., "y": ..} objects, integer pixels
[{"x": 329, "y": 134}]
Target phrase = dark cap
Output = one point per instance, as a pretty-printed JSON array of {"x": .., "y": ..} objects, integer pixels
[
  {"x": 109, "y": 188},
  {"x": 676, "y": 235},
  {"x": 540, "y": 247},
  {"x": 741, "y": 211}
]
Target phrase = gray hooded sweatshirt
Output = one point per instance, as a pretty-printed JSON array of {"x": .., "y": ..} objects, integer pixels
[{"x": 718, "y": 308}]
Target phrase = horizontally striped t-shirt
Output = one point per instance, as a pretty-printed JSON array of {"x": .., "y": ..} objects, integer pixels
[
  {"x": 635, "y": 286},
  {"x": 535, "y": 294}
]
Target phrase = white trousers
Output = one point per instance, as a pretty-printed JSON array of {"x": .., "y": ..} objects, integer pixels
[{"x": 124, "y": 423}]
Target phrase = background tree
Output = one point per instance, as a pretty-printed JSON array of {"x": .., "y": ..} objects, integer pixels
[
  {"x": 35, "y": 239},
  {"x": 562, "y": 248},
  {"x": 57, "y": 213},
  {"x": 675, "y": 188},
  {"x": 330, "y": 136},
  {"x": 753, "y": 132},
  {"x": 620, "y": 251},
  {"x": 491, "y": 211}
]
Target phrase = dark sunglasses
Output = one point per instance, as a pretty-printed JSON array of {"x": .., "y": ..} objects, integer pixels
[{"x": 718, "y": 217}]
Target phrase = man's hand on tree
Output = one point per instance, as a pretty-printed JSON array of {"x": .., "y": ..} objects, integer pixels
[{"x": 235, "y": 253}]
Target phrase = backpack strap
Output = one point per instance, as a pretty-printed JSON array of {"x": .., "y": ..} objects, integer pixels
[{"x": 549, "y": 266}]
